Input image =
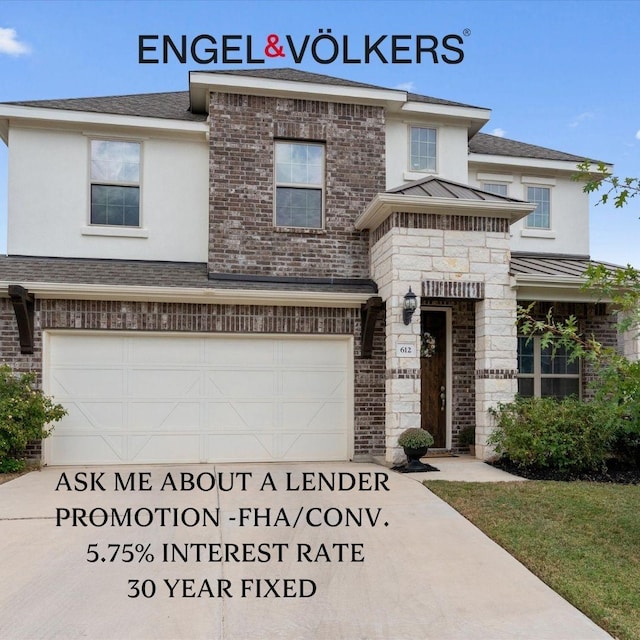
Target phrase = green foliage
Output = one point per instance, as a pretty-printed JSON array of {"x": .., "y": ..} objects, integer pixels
[
  {"x": 467, "y": 436},
  {"x": 598, "y": 175},
  {"x": 11, "y": 465},
  {"x": 619, "y": 386},
  {"x": 415, "y": 438},
  {"x": 562, "y": 435},
  {"x": 24, "y": 413}
]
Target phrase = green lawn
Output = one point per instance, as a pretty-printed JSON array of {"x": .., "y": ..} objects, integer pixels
[{"x": 581, "y": 538}]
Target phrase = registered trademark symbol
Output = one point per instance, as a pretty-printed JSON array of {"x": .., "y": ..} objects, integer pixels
[{"x": 466, "y": 32}]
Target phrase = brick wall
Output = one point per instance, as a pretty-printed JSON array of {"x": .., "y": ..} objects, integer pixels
[
  {"x": 209, "y": 318},
  {"x": 242, "y": 236}
]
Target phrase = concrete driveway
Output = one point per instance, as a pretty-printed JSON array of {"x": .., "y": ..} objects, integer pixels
[{"x": 259, "y": 551}]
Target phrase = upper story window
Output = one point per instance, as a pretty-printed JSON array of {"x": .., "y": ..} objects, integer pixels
[
  {"x": 499, "y": 188},
  {"x": 299, "y": 184},
  {"x": 543, "y": 372},
  {"x": 541, "y": 217},
  {"x": 115, "y": 183},
  {"x": 423, "y": 149}
]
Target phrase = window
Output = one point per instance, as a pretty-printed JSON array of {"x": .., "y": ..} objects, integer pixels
[
  {"x": 542, "y": 373},
  {"x": 299, "y": 184},
  {"x": 498, "y": 188},
  {"x": 115, "y": 183},
  {"x": 541, "y": 217},
  {"x": 423, "y": 149}
]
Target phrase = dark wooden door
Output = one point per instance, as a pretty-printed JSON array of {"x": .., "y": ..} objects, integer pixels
[{"x": 433, "y": 373}]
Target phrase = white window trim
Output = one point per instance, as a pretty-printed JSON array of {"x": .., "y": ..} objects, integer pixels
[
  {"x": 322, "y": 187},
  {"x": 525, "y": 197},
  {"x": 537, "y": 374},
  {"x": 416, "y": 174},
  {"x": 113, "y": 229},
  {"x": 501, "y": 182}
]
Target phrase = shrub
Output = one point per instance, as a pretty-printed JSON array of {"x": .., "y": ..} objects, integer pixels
[
  {"x": 25, "y": 413},
  {"x": 563, "y": 435},
  {"x": 619, "y": 385},
  {"x": 415, "y": 438}
]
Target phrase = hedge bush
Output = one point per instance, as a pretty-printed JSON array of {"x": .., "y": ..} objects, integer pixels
[
  {"x": 565, "y": 435},
  {"x": 25, "y": 415}
]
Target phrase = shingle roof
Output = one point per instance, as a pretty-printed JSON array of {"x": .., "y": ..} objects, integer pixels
[
  {"x": 552, "y": 265},
  {"x": 440, "y": 188},
  {"x": 141, "y": 273},
  {"x": 172, "y": 105},
  {"x": 496, "y": 146},
  {"x": 295, "y": 75}
]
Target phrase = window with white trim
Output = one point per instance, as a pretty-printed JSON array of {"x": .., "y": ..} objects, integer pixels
[
  {"x": 115, "y": 183},
  {"x": 545, "y": 373},
  {"x": 499, "y": 188},
  {"x": 299, "y": 175},
  {"x": 423, "y": 145},
  {"x": 541, "y": 217}
]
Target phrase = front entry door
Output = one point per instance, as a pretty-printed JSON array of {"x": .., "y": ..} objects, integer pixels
[{"x": 433, "y": 374}]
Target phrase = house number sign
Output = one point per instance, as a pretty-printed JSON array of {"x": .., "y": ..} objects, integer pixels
[{"x": 405, "y": 350}]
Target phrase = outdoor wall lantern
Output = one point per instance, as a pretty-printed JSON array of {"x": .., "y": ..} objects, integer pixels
[{"x": 410, "y": 304}]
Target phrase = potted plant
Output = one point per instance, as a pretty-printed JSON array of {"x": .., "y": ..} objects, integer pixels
[{"x": 416, "y": 443}]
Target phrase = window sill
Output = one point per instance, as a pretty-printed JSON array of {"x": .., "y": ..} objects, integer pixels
[
  {"x": 115, "y": 232},
  {"x": 538, "y": 233},
  {"x": 417, "y": 175},
  {"x": 304, "y": 230}
]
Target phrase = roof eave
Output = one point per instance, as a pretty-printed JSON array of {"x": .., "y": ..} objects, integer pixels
[
  {"x": 476, "y": 117},
  {"x": 76, "y": 291},
  {"x": 569, "y": 166},
  {"x": 554, "y": 289},
  {"x": 36, "y": 115},
  {"x": 384, "y": 204}
]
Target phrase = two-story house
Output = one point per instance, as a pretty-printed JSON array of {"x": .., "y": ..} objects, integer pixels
[{"x": 229, "y": 273}]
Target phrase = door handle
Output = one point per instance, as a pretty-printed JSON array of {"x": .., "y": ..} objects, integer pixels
[{"x": 443, "y": 398}]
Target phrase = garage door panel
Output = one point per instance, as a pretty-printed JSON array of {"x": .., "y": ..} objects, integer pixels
[
  {"x": 307, "y": 416},
  {"x": 319, "y": 352},
  {"x": 90, "y": 449},
  {"x": 241, "y": 384},
  {"x": 164, "y": 416},
  {"x": 173, "y": 352},
  {"x": 248, "y": 416},
  {"x": 87, "y": 383},
  {"x": 163, "y": 383},
  {"x": 92, "y": 417},
  {"x": 251, "y": 351},
  {"x": 91, "y": 349},
  {"x": 148, "y": 397},
  {"x": 314, "y": 384},
  {"x": 149, "y": 449}
]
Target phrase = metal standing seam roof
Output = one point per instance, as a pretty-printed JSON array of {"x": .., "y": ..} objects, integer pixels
[
  {"x": 551, "y": 265},
  {"x": 439, "y": 188}
]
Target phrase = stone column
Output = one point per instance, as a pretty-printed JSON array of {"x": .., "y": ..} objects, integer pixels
[{"x": 496, "y": 358}]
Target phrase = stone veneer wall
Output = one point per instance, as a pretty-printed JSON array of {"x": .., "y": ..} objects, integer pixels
[
  {"x": 242, "y": 235},
  {"x": 211, "y": 318},
  {"x": 410, "y": 248}
]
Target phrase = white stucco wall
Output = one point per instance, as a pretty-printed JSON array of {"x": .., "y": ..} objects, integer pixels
[
  {"x": 569, "y": 233},
  {"x": 48, "y": 204},
  {"x": 451, "y": 151}
]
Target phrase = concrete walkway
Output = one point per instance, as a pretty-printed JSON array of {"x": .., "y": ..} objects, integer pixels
[{"x": 302, "y": 561}]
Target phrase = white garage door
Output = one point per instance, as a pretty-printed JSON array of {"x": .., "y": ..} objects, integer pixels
[{"x": 139, "y": 398}]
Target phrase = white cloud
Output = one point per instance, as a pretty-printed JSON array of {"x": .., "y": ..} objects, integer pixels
[
  {"x": 586, "y": 115},
  {"x": 498, "y": 132},
  {"x": 10, "y": 44},
  {"x": 638, "y": 134},
  {"x": 406, "y": 86}
]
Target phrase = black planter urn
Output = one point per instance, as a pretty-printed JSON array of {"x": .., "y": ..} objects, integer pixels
[{"x": 413, "y": 460}]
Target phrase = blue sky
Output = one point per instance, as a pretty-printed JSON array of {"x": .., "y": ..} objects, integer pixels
[{"x": 558, "y": 74}]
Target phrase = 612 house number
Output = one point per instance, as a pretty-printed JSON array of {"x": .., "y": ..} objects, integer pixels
[{"x": 405, "y": 350}]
